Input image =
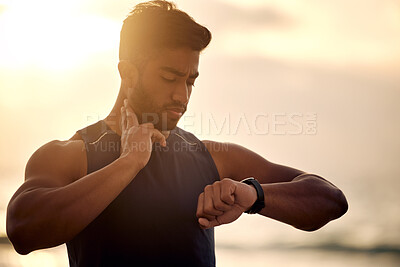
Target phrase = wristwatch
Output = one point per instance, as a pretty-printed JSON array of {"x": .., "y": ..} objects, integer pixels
[{"x": 259, "y": 204}]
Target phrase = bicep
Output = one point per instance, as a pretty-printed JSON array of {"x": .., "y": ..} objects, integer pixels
[{"x": 237, "y": 162}]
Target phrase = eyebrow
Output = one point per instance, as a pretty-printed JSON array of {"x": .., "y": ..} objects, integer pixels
[{"x": 178, "y": 73}]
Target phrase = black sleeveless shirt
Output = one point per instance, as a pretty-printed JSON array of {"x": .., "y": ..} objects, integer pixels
[{"x": 153, "y": 220}]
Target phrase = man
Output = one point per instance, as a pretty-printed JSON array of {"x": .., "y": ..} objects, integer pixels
[{"x": 134, "y": 189}]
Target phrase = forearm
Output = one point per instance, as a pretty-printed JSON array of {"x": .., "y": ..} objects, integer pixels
[
  {"x": 46, "y": 217},
  {"x": 307, "y": 203}
]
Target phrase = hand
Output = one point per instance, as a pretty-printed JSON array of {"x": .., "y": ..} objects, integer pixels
[
  {"x": 223, "y": 202},
  {"x": 137, "y": 139}
]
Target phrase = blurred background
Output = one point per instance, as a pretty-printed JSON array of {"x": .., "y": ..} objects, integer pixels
[{"x": 310, "y": 84}]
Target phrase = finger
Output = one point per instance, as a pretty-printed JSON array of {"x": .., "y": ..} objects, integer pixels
[
  {"x": 129, "y": 120},
  {"x": 148, "y": 125},
  {"x": 165, "y": 133},
  {"x": 204, "y": 223},
  {"x": 146, "y": 128},
  {"x": 130, "y": 115},
  {"x": 227, "y": 190},
  {"x": 213, "y": 223},
  {"x": 219, "y": 204},
  {"x": 209, "y": 207},
  {"x": 200, "y": 209},
  {"x": 123, "y": 119},
  {"x": 157, "y": 136}
]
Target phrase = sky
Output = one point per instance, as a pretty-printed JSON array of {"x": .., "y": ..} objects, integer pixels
[
  {"x": 56, "y": 58},
  {"x": 310, "y": 84}
]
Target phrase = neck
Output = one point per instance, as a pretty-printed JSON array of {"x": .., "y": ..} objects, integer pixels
[{"x": 113, "y": 119}]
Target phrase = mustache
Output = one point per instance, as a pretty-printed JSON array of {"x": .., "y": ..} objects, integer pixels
[{"x": 176, "y": 106}]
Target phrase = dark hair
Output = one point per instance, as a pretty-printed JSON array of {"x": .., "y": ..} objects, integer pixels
[{"x": 153, "y": 25}]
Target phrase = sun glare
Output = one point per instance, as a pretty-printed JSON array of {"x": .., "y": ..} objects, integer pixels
[{"x": 48, "y": 35}]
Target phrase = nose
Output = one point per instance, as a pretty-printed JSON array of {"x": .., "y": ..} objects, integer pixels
[{"x": 181, "y": 94}]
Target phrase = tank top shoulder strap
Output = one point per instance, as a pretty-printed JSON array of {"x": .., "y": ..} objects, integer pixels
[
  {"x": 94, "y": 131},
  {"x": 102, "y": 145}
]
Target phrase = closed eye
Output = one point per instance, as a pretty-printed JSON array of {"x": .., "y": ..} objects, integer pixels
[{"x": 170, "y": 80}]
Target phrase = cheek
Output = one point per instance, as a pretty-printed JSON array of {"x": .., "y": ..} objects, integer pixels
[
  {"x": 148, "y": 98},
  {"x": 135, "y": 101},
  {"x": 138, "y": 98},
  {"x": 159, "y": 92}
]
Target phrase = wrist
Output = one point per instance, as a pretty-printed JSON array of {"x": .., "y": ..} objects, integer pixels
[
  {"x": 252, "y": 196},
  {"x": 259, "y": 203}
]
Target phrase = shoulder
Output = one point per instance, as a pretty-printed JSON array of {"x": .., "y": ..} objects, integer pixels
[
  {"x": 71, "y": 147},
  {"x": 64, "y": 159}
]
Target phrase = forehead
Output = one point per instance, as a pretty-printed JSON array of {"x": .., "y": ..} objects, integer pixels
[{"x": 184, "y": 60}]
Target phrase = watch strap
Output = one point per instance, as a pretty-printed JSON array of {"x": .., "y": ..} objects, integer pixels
[{"x": 259, "y": 204}]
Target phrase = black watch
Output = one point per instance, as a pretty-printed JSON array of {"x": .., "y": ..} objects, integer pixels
[{"x": 259, "y": 204}]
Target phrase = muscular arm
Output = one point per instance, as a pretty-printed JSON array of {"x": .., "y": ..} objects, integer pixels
[
  {"x": 305, "y": 201},
  {"x": 58, "y": 199}
]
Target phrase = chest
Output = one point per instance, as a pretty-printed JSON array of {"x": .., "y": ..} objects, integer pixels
[{"x": 167, "y": 189}]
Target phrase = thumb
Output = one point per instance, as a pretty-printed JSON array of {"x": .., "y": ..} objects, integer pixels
[{"x": 204, "y": 223}]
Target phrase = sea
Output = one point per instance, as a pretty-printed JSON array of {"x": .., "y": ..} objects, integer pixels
[{"x": 367, "y": 235}]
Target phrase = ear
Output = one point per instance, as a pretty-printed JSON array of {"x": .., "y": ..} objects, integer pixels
[{"x": 129, "y": 73}]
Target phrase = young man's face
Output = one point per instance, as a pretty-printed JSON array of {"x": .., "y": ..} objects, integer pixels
[{"x": 164, "y": 87}]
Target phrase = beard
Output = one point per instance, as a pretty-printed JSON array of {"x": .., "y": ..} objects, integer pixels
[{"x": 147, "y": 110}]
